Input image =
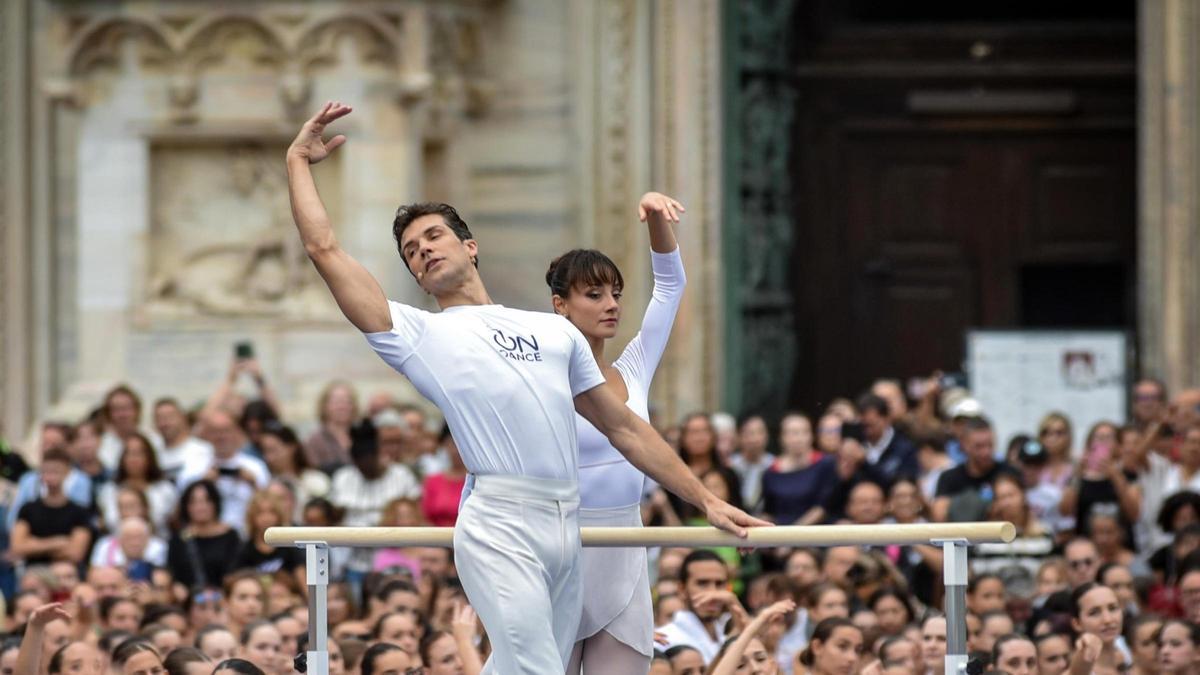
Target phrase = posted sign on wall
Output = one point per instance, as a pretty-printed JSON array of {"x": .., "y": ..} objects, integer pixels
[{"x": 1019, "y": 376}]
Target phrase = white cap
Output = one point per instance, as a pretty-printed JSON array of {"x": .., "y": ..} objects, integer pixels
[{"x": 967, "y": 407}]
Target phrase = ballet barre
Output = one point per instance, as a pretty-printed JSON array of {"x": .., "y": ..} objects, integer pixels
[{"x": 952, "y": 538}]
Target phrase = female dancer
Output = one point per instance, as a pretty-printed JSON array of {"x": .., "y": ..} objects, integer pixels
[{"x": 615, "y": 634}]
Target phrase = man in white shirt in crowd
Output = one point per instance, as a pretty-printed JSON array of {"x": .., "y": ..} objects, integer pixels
[
  {"x": 178, "y": 443},
  {"x": 703, "y": 622},
  {"x": 365, "y": 486},
  {"x": 237, "y": 474}
]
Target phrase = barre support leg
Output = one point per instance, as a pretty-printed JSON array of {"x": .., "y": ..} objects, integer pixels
[
  {"x": 954, "y": 568},
  {"x": 317, "y": 570}
]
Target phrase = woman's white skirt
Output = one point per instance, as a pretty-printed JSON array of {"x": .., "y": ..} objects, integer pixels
[{"x": 616, "y": 584}]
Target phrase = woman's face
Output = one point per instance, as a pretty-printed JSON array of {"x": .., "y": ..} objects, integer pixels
[
  {"x": 337, "y": 664},
  {"x": 1055, "y": 438},
  {"x": 1050, "y": 580},
  {"x": 904, "y": 502},
  {"x": 403, "y": 631},
  {"x": 276, "y": 454},
  {"x": 265, "y": 516},
  {"x": 1054, "y": 656},
  {"x": 129, "y": 506},
  {"x": 1009, "y": 501},
  {"x": 1120, "y": 579},
  {"x": 756, "y": 660},
  {"x": 264, "y": 648},
  {"x": 832, "y": 603},
  {"x": 1100, "y": 614},
  {"x": 839, "y": 654},
  {"x": 143, "y": 663},
  {"x": 337, "y": 605},
  {"x": 795, "y": 435},
  {"x": 892, "y": 615},
  {"x": 339, "y": 406},
  {"x": 933, "y": 641},
  {"x": 595, "y": 310},
  {"x": 1145, "y": 645},
  {"x": 829, "y": 434},
  {"x": 201, "y": 510},
  {"x": 1177, "y": 653},
  {"x": 716, "y": 485},
  {"x": 136, "y": 458},
  {"x": 697, "y": 437},
  {"x": 79, "y": 658},
  {"x": 1184, "y": 516},
  {"x": 988, "y": 596},
  {"x": 1017, "y": 657},
  {"x": 219, "y": 645},
  {"x": 246, "y": 601},
  {"x": 280, "y": 597},
  {"x": 444, "y": 658}
]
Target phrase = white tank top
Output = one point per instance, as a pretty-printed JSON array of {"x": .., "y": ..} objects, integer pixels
[{"x": 606, "y": 478}]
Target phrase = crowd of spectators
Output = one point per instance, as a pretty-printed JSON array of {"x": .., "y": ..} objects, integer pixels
[{"x": 135, "y": 545}]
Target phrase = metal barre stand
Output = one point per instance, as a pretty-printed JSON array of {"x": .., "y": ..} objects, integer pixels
[{"x": 954, "y": 542}]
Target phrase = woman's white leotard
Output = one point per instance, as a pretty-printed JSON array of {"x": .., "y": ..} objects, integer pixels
[{"x": 616, "y": 595}]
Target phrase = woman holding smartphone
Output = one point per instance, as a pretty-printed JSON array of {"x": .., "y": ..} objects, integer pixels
[
  {"x": 1102, "y": 485},
  {"x": 615, "y": 633}
]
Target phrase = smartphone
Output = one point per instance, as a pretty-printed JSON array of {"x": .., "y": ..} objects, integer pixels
[
  {"x": 953, "y": 381},
  {"x": 228, "y": 471},
  {"x": 853, "y": 430},
  {"x": 1098, "y": 457},
  {"x": 140, "y": 570},
  {"x": 243, "y": 350}
]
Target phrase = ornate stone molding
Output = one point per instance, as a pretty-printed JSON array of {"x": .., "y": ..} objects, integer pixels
[{"x": 185, "y": 40}]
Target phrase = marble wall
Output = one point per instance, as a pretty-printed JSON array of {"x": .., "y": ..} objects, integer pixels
[{"x": 152, "y": 230}]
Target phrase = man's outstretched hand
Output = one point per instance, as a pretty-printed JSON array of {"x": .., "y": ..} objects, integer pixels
[
  {"x": 722, "y": 515},
  {"x": 308, "y": 143}
]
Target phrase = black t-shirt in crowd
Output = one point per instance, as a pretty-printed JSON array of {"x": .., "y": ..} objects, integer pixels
[
  {"x": 52, "y": 521},
  {"x": 956, "y": 480},
  {"x": 214, "y": 556},
  {"x": 282, "y": 558}
]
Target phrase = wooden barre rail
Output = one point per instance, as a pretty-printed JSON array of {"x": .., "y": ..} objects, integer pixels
[{"x": 760, "y": 537}]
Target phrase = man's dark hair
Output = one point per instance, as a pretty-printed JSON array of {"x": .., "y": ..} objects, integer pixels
[
  {"x": 699, "y": 555},
  {"x": 395, "y": 586},
  {"x": 364, "y": 440},
  {"x": 407, "y": 213},
  {"x": 58, "y": 455},
  {"x": 873, "y": 402},
  {"x": 977, "y": 424}
]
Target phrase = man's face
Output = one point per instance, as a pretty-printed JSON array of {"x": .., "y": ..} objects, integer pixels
[
  {"x": 752, "y": 439},
  {"x": 107, "y": 581},
  {"x": 838, "y": 561},
  {"x": 169, "y": 421},
  {"x": 865, "y": 506},
  {"x": 705, "y": 576},
  {"x": 1189, "y": 450},
  {"x": 122, "y": 412},
  {"x": 802, "y": 569},
  {"x": 980, "y": 447},
  {"x": 1148, "y": 401},
  {"x": 394, "y": 445},
  {"x": 435, "y": 255},
  {"x": 874, "y": 425},
  {"x": 224, "y": 435},
  {"x": 53, "y": 474},
  {"x": 1083, "y": 561},
  {"x": 368, "y": 465},
  {"x": 1189, "y": 595}
]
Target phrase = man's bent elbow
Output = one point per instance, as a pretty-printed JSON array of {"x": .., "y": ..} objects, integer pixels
[{"x": 321, "y": 249}]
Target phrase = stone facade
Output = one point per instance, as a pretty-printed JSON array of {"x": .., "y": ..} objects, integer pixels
[{"x": 152, "y": 231}]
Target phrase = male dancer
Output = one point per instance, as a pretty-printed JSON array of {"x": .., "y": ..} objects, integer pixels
[{"x": 507, "y": 382}]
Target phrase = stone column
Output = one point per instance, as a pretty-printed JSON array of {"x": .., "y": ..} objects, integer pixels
[
  {"x": 15, "y": 371},
  {"x": 1169, "y": 231}
]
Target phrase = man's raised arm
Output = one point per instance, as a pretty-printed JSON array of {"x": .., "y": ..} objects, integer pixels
[
  {"x": 357, "y": 293},
  {"x": 646, "y": 450}
]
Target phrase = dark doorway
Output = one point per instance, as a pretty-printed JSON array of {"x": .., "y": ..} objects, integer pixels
[{"x": 957, "y": 172}]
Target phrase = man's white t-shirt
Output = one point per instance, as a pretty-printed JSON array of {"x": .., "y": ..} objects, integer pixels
[{"x": 505, "y": 380}]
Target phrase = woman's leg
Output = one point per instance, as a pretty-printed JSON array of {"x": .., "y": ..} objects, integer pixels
[{"x": 603, "y": 654}]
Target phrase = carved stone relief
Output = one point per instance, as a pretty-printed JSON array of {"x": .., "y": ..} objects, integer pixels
[{"x": 222, "y": 239}]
